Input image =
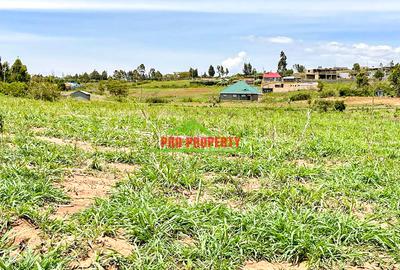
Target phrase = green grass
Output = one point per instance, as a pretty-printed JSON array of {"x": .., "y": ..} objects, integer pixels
[{"x": 316, "y": 178}]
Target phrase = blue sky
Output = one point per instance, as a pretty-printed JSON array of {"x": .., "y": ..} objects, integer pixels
[{"x": 73, "y": 36}]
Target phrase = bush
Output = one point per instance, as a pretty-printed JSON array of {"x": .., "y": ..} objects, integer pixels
[
  {"x": 203, "y": 83},
  {"x": 327, "y": 93},
  {"x": 15, "y": 89},
  {"x": 101, "y": 88},
  {"x": 61, "y": 86},
  {"x": 187, "y": 99},
  {"x": 156, "y": 100},
  {"x": 1, "y": 124},
  {"x": 322, "y": 105},
  {"x": 300, "y": 96},
  {"x": 44, "y": 91},
  {"x": 223, "y": 83},
  {"x": 339, "y": 105},
  {"x": 118, "y": 89},
  {"x": 320, "y": 86},
  {"x": 325, "y": 105},
  {"x": 355, "y": 92}
]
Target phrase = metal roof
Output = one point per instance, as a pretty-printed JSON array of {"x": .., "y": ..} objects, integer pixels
[
  {"x": 272, "y": 75},
  {"x": 241, "y": 88},
  {"x": 80, "y": 91}
]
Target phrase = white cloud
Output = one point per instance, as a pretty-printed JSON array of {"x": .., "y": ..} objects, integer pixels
[
  {"x": 280, "y": 40},
  {"x": 299, "y": 8},
  {"x": 367, "y": 53},
  {"x": 276, "y": 40},
  {"x": 233, "y": 62}
]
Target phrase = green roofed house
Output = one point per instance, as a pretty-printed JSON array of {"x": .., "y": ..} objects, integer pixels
[{"x": 240, "y": 91}]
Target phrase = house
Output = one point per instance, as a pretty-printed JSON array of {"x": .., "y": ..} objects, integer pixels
[
  {"x": 272, "y": 77},
  {"x": 291, "y": 79},
  {"x": 81, "y": 95},
  {"x": 280, "y": 87},
  {"x": 240, "y": 91},
  {"x": 72, "y": 85},
  {"x": 326, "y": 73}
]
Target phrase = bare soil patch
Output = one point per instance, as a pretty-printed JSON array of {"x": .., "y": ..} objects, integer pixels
[
  {"x": 264, "y": 265},
  {"x": 83, "y": 189},
  {"x": 123, "y": 167},
  {"x": 251, "y": 185},
  {"x": 39, "y": 129},
  {"x": 187, "y": 241},
  {"x": 25, "y": 235},
  {"x": 100, "y": 246},
  {"x": 304, "y": 163},
  {"x": 85, "y": 146},
  {"x": 370, "y": 100}
]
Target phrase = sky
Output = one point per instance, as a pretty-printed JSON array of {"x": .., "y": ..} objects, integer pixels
[{"x": 73, "y": 36}]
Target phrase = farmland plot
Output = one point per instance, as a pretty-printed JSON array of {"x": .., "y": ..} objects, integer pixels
[{"x": 85, "y": 185}]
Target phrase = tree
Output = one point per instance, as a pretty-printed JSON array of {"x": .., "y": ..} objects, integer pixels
[
  {"x": 152, "y": 74},
  {"x": 362, "y": 79},
  {"x": 357, "y": 67},
  {"x": 193, "y": 73},
  {"x": 142, "y": 71},
  {"x": 220, "y": 71},
  {"x": 299, "y": 68},
  {"x": 104, "y": 76},
  {"x": 136, "y": 75},
  {"x": 6, "y": 72},
  {"x": 394, "y": 79},
  {"x": 282, "y": 65},
  {"x": 118, "y": 89},
  {"x": 288, "y": 72},
  {"x": 211, "y": 71},
  {"x": 19, "y": 72},
  {"x": 120, "y": 75},
  {"x": 95, "y": 76},
  {"x": 158, "y": 76},
  {"x": 379, "y": 74},
  {"x": 248, "y": 69},
  {"x": 226, "y": 71},
  {"x": 84, "y": 78},
  {"x": 1, "y": 71}
]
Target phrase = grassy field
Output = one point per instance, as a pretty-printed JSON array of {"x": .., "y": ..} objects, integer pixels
[{"x": 85, "y": 185}]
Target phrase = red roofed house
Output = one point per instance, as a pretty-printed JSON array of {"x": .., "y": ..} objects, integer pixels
[{"x": 272, "y": 77}]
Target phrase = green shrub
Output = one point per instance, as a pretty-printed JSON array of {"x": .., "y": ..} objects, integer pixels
[
  {"x": 223, "y": 83},
  {"x": 1, "y": 124},
  {"x": 355, "y": 92},
  {"x": 187, "y": 99},
  {"x": 300, "y": 96},
  {"x": 101, "y": 88},
  {"x": 320, "y": 86},
  {"x": 44, "y": 91},
  {"x": 156, "y": 100},
  {"x": 339, "y": 105},
  {"x": 322, "y": 105},
  {"x": 61, "y": 86},
  {"x": 117, "y": 89},
  {"x": 325, "y": 105},
  {"x": 15, "y": 89},
  {"x": 327, "y": 93},
  {"x": 203, "y": 83}
]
